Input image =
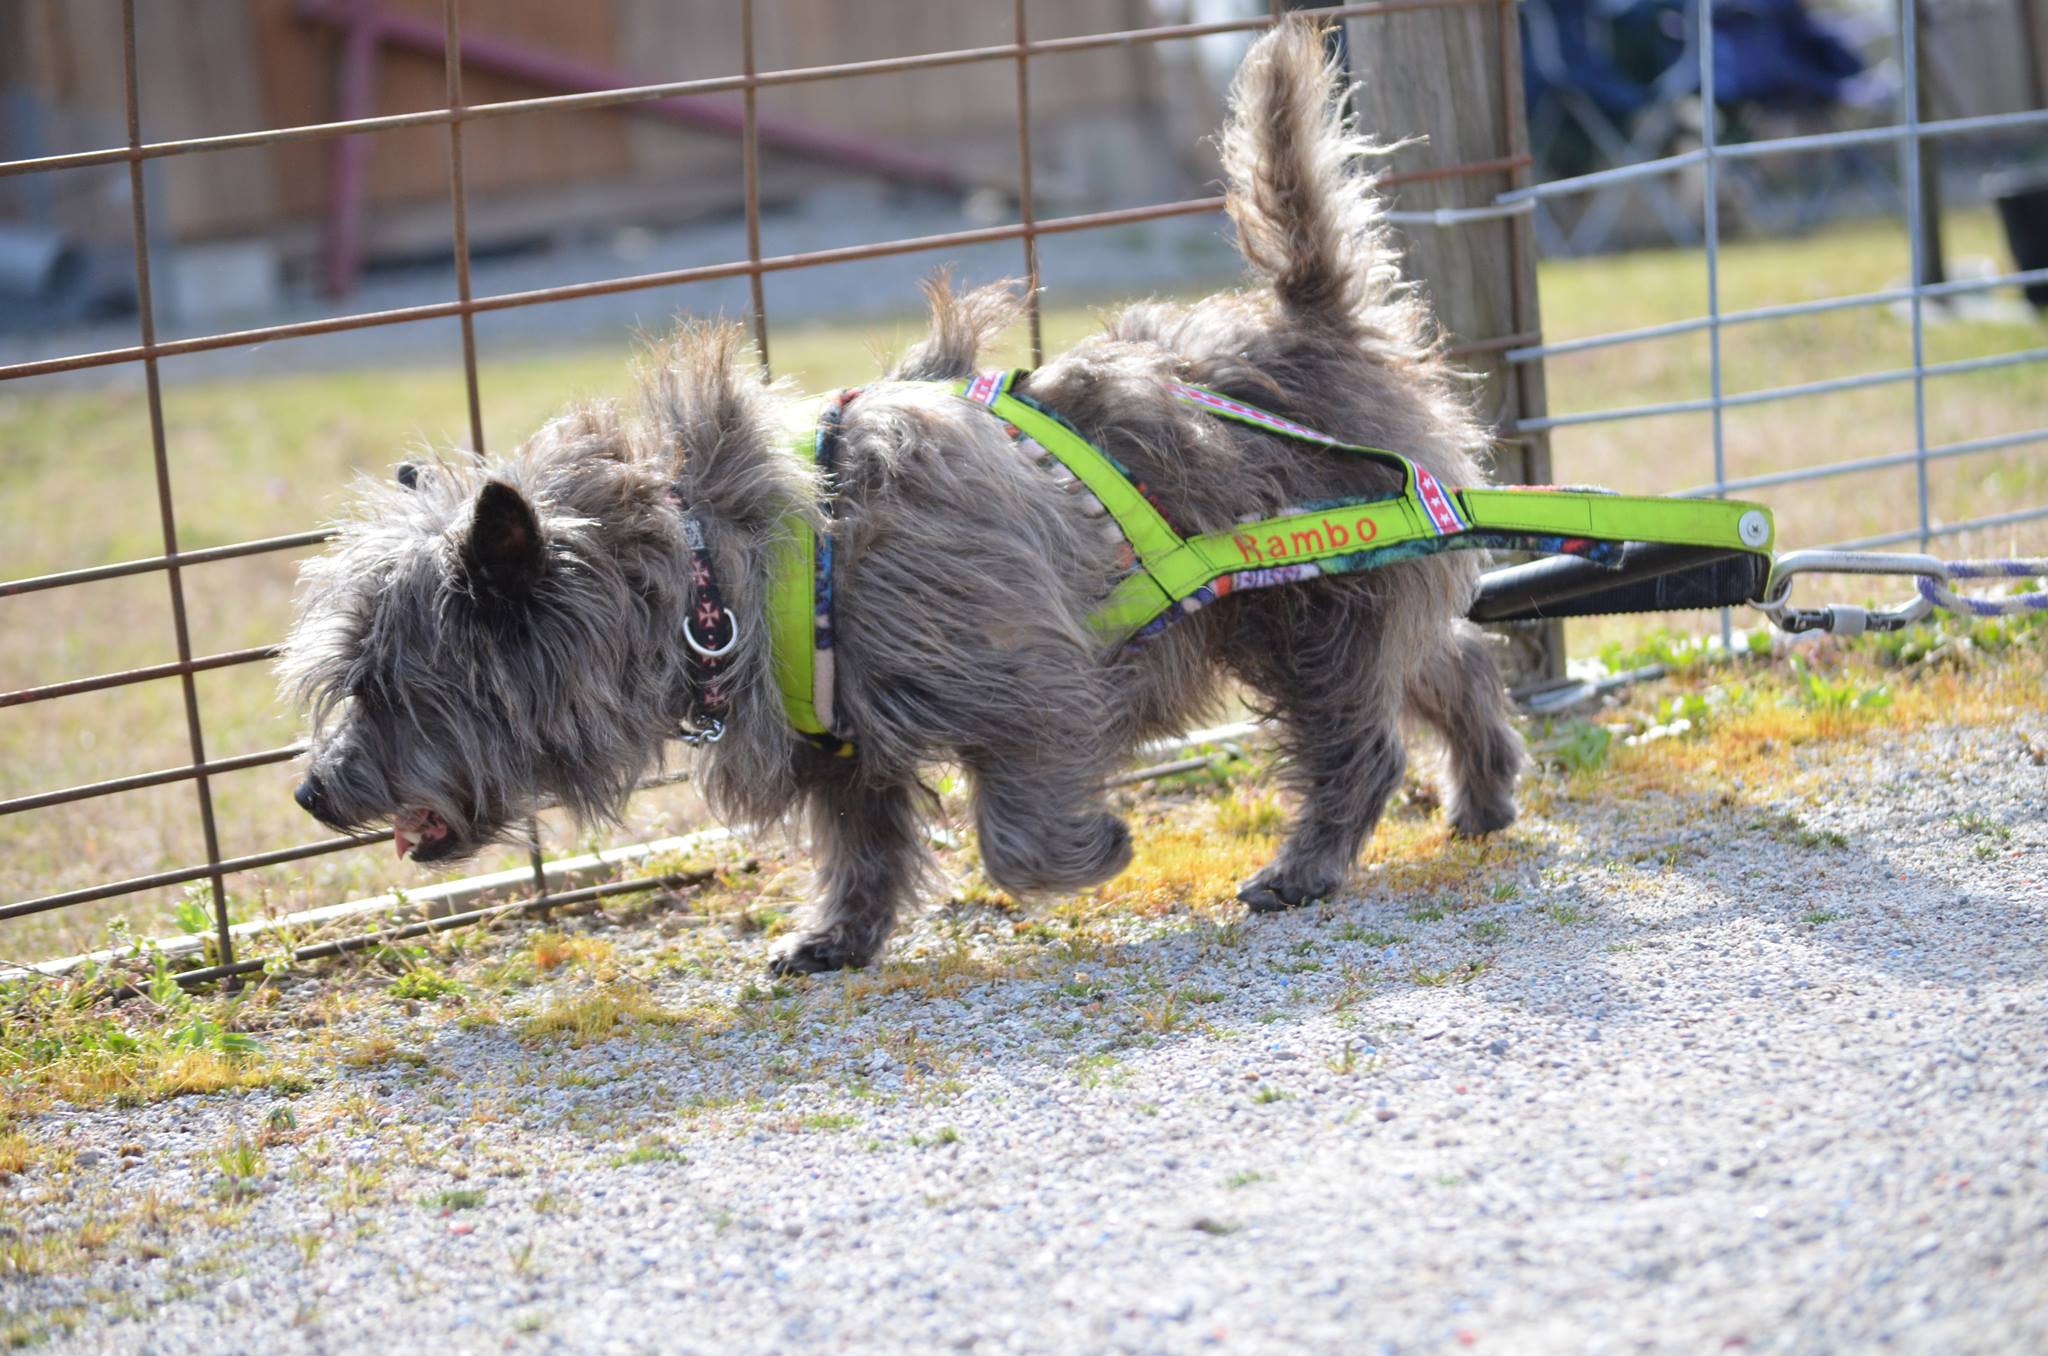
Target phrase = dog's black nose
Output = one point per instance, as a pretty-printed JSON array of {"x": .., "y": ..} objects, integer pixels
[{"x": 310, "y": 797}]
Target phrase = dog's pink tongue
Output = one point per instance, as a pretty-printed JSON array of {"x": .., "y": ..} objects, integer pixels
[{"x": 413, "y": 828}]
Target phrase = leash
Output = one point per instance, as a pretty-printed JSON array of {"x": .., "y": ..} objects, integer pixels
[{"x": 1929, "y": 573}]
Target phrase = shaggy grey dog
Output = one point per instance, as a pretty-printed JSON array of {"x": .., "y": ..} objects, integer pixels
[{"x": 486, "y": 638}]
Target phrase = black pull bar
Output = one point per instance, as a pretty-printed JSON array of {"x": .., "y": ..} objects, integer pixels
[{"x": 1650, "y": 577}]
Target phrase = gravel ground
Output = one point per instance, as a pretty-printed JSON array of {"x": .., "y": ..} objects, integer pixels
[{"x": 1700, "y": 1073}]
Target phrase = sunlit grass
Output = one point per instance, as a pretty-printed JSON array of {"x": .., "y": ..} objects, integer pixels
[{"x": 597, "y": 1015}]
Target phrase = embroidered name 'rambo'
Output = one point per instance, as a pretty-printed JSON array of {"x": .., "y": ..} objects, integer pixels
[{"x": 1332, "y": 534}]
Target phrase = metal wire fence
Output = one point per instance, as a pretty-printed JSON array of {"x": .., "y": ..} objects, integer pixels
[
  {"x": 1508, "y": 212},
  {"x": 203, "y": 772},
  {"x": 1909, "y": 135}
]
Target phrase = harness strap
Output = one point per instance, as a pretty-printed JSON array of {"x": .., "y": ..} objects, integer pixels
[
  {"x": 1178, "y": 575},
  {"x": 800, "y": 596}
]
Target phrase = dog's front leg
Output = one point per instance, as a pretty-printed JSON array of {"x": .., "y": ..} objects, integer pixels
[
  {"x": 870, "y": 849},
  {"x": 1045, "y": 830}
]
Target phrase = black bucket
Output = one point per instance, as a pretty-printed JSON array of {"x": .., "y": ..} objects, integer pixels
[{"x": 2022, "y": 199}]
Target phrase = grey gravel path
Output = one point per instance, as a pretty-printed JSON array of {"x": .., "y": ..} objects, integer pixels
[{"x": 1717, "y": 1083}]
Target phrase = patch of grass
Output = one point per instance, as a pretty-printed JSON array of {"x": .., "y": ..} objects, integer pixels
[
  {"x": 1814, "y": 918},
  {"x": 600, "y": 1014},
  {"x": 1268, "y": 1095},
  {"x": 241, "y": 1167},
  {"x": 1100, "y": 1069},
  {"x": 455, "y": 1198},
  {"x": 378, "y": 1050},
  {"x": 650, "y": 1151},
  {"x": 1788, "y": 827},
  {"x": 61, "y": 1040},
  {"x": 1238, "y": 1181},
  {"x": 1426, "y": 913},
  {"x": 36, "y": 1329},
  {"x": 553, "y": 950},
  {"x": 1564, "y": 915},
  {"x": 1992, "y": 836},
  {"x": 360, "y": 1188},
  {"x": 829, "y": 1122},
  {"x": 426, "y": 984},
  {"x": 1250, "y": 814},
  {"x": 1836, "y": 696},
  {"x": 1177, "y": 868},
  {"x": 1574, "y": 746},
  {"x": 1489, "y": 930},
  {"x": 18, "y": 1153},
  {"x": 1165, "y": 1013},
  {"x": 1462, "y": 973},
  {"x": 1365, "y": 936}
]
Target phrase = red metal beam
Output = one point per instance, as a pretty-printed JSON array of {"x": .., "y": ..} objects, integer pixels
[{"x": 366, "y": 26}]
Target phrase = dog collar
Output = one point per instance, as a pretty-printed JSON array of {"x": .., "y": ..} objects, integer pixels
[{"x": 710, "y": 633}]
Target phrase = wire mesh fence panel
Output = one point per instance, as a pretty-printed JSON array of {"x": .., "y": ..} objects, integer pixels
[
  {"x": 153, "y": 743},
  {"x": 1905, "y": 413}
]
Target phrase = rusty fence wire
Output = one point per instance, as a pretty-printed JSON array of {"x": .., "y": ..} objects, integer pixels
[{"x": 1505, "y": 172}]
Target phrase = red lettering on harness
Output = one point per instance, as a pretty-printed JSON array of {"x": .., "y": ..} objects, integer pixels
[{"x": 1303, "y": 543}]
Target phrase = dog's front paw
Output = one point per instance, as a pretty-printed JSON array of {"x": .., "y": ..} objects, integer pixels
[
  {"x": 1476, "y": 818},
  {"x": 1273, "y": 890},
  {"x": 811, "y": 953}
]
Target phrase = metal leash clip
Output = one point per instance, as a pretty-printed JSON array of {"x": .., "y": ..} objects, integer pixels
[
  {"x": 1846, "y": 619},
  {"x": 696, "y": 736}
]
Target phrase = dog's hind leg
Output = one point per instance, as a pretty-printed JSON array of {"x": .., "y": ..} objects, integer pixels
[
  {"x": 1341, "y": 738},
  {"x": 1458, "y": 692},
  {"x": 870, "y": 846}
]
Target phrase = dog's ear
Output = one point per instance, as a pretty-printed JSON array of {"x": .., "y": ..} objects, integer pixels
[{"x": 503, "y": 550}]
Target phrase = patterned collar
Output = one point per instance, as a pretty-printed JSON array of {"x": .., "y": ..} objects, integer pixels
[{"x": 710, "y": 632}]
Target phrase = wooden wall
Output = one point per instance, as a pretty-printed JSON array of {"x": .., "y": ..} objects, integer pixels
[{"x": 216, "y": 66}]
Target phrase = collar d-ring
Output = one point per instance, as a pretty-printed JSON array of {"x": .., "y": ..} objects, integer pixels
[{"x": 706, "y": 652}]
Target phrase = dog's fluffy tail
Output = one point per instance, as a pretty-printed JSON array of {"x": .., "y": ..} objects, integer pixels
[{"x": 1307, "y": 217}]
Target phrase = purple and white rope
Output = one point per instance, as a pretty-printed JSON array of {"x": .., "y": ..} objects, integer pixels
[{"x": 1934, "y": 591}]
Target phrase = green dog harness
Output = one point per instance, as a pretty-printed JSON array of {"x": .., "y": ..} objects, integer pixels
[{"x": 1173, "y": 575}]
